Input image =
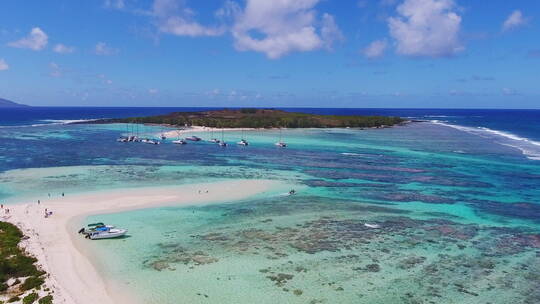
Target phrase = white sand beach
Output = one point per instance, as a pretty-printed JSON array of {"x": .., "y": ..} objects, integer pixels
[
  {"x": 56, "y": 244},
  {"x": 198, "y": 129}
]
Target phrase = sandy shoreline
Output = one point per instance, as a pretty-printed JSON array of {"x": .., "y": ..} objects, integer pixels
[
  {"x": 198, "y": 129},
  {"x": 61, "y": 253}
]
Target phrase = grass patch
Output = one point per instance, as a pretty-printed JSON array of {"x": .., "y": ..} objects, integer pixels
[
  {"x": 31, "y": 298},
  {"x": 46, "y": 300},
  {"x": 14, "y": 262}
]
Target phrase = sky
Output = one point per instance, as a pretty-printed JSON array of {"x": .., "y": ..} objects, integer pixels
[{"x": 271, "y": 53}]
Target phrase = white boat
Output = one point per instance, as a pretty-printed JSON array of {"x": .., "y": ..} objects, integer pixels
[
  {"x": 94, "y": 227},
  {"x": 222, "y": 144},
  {"x": 122, "y": 139},
  {"x": 373, "y": 226},
  {"x": 107, "y": 234},
  {"x": 179, "y": 142},
  {"x": 193, "y": 138},
  {"x": 243, "y": 142},
  {"x": 280, "y": 143},
  {"x": 214, "y": 140}
]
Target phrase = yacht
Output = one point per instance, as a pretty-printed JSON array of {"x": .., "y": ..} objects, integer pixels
[
  {"x": 243, "y": 142},
  {"x": 280, "y": 143},
  {"x": 193, "y": 138},
  {"x": 222, "y": 143}
]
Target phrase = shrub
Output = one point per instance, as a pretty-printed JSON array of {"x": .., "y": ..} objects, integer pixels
[
  {"x": 32, "y": 282},
  {"x": 31, "y": 298},
  {"x": 46, "y": 300}
]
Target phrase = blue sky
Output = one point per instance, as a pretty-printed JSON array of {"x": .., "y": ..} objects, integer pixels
[{"x": 318, "y": 53}]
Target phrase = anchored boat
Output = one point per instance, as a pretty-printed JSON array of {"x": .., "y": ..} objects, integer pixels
[
  {"x": 106, "y": 233},
  {"x": 99, "y": 230}
]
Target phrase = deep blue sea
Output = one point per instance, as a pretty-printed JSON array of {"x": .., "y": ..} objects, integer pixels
[{"x": 455, "y": 200}]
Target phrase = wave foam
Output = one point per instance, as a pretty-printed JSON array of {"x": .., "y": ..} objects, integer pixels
[
  {"x": 49, "y": 122},
  {"x": 529, "y": 147}
]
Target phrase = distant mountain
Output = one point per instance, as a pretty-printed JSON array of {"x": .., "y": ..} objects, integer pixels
[{"x": 4, "y": 103}]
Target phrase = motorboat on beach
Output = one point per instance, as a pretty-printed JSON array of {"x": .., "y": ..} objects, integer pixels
[
  {"x": 97, "y": 231},
  {"x": 93, "y": 226},
  {"x": 106, "y": 233}
]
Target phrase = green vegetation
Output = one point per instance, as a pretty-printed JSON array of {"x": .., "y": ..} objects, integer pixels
[
  {"x": 260, "y": 118},
  {"x": 31, "y": 298},
  {"x": 32, "y": 282},
  {"x": 14, "y": 263},
  {"x": 46, "y": 300}
]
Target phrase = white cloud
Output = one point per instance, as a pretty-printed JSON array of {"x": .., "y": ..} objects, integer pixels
[
  {"x": 509, "y": 92},
  {"x": 55, "y": 70},
  {"x": 3, "y": 65},
  {"x": 173, "y": 17},
  {"x": 375, "y": 49},
  {"x": 115, "y": 4},
  {"x": 104, "y": 50},
  {"x": 153, "y": 91},
  {"x": 426, "y": 28},
  {"x": 277, "y": 28},
  {"x": 330, "y": 32},
  {"x": 36, "y": 40},
  {"x": 514, "y": 20},
  {"x": 63, "y": 49}
]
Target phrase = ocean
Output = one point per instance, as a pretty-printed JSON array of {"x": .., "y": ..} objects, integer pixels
[{"x": 456, "y": 198}]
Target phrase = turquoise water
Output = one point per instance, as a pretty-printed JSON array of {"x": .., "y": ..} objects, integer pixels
[{"x": 459, "y": 214}]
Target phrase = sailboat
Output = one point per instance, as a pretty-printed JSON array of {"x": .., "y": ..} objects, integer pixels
[
  {"x": 280, "y": 143},
  {"x": 179, "y": 141},
  {"x": 124, "y": 138},
  {"x": 214, "y": 140},
  {"x": 222, "y": 143},
  {"x": 242, "y": 141}
]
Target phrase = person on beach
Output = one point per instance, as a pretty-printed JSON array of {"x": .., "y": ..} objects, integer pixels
[
  {"x": 62, "y": 194},
  {"x": 38, "y": 202},
  {"x": 1, "y": 206}
]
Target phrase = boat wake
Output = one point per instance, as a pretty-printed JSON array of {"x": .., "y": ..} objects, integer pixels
[
  {"x": 529, "y": 148},
  {"x": 51, "y": 122}
]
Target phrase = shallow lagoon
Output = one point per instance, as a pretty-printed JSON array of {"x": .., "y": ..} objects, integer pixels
[{"x": 459, "y": 214}]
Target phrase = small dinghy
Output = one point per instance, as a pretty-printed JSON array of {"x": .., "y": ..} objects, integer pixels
[{"x": 373, "y": 226}]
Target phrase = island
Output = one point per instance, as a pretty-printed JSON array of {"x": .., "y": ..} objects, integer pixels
[
  {"x": 260, "y": 118},
  {"x": 4, "y": 103}
]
